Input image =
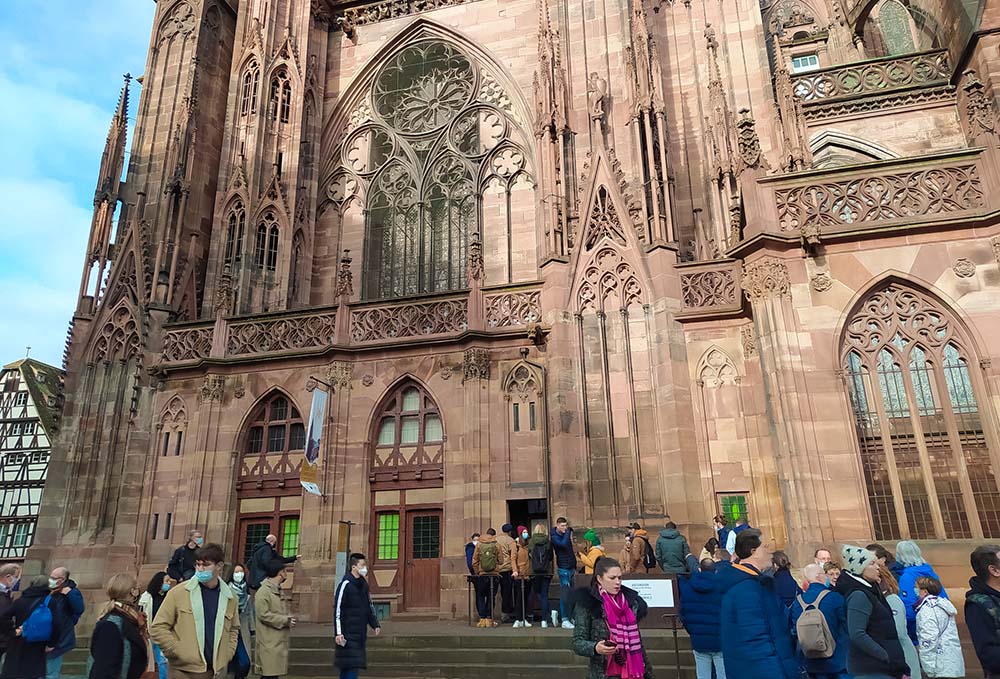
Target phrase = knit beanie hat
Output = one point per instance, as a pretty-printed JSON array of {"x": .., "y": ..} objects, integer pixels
[
  {"x": 507, "y": 528},
  {"x": 521, "y": 530},
  {"x": 856, "y": 559},
  {"x": 591, "y": 537}
]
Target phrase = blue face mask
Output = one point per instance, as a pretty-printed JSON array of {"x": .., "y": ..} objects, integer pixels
[
  {"x": 203, "y": 576},
  {"x": 165, "y": 586},
  {"x": 199, "y": 541}
]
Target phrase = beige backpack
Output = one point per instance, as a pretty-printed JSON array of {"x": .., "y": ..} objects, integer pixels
[{"x": 815, "y": 638}]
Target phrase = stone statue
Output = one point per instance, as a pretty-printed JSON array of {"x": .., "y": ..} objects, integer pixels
[{"x": 597, "y": 91}]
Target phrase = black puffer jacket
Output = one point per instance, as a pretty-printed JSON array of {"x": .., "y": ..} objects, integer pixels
[
  {"x": 107, "y": 647},
  {"x": 875, "y": 647},
  {"x": 353, "y": 614}
]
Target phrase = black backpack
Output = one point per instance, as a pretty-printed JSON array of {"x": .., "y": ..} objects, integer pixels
[
  {"x": 648, "y": 555},
  {"x": 541, "y": 558}
]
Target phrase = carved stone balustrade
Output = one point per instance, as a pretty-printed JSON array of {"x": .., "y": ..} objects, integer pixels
[
  {"x": 268, "y": 334},
  {"x": 376, "y": 322},
  {"x": 873, "y": 197},
  {"x": 512, "y": 308},
  {"x": 874, "y": 76},
  {"x": 187, "y": 343},
  {"x": 710, "y": 289}
]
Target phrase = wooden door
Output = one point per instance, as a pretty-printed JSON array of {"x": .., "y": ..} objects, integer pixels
[{"x": 422, "y": 567}]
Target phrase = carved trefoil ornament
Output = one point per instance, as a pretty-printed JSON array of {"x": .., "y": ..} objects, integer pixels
[
  {"x": 716, "y": 369},
  {"x": 821, "y": 282},
  {"x": 338, "y": 375},
  {"x": 765, "y": 278},
  {"x": 476, "y": 365},
  {"x": 964, "y": 267}
]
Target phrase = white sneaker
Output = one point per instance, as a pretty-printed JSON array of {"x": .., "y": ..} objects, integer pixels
[
  {"x": 517, "y": 624},
  {"x": 525, "y": 623},
  {"x": 555, "y": 618},
  {"x": 545, "y": 624},
  {"x": 566, "y": 624}
]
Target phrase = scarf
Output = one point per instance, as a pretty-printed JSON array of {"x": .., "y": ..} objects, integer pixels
[
  {"x": 242, "y": 595},
  {"x": 627, "y": 661}
]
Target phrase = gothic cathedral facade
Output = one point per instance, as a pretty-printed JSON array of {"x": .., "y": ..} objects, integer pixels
[{"x": 612, "y": 260}]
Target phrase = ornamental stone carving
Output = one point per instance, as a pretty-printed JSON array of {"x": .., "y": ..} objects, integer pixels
[
  {"x": 410, "y": 320},
  {"x": 874, "y": 76},
  {"x": 609, "y": 282},
  {"x": 980, "y": 108},
  {"x": 339, "y": 374},
  {"x": 964, "y": 267},
  {"x": 187, "y": 344},
  {"x": 995, "y": 242},
  {"x": 281, "y": 334},
  {"x": 476, "y": 365},
  {"x": 765, "y": 278},
  {"x": 748, "y": 340},
  {"x": 716, "y": 369},
  {"x": 118, "y": 337},
  {"x": 180, "y": 20},
  {"x": 212, "y": 388},
  {"x": 345, "y": 278},
  {"x": 899, "y": 195},
  {"x": 513, "y": 309},
  {"x": 821, "y": 282},
  {"x": 476, "y": 266},
  {"x": 368, "y": 380},
  {"x": 388, "y": 9},
  {"x": 751, "y": 156},
  {"x": 708, "y": 289}
]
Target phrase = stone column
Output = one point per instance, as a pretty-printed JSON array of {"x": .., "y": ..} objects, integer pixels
[{"x": 796, "y": 451}]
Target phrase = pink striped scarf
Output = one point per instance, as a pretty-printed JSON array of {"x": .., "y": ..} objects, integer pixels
[{"x": 623, "y": 629}]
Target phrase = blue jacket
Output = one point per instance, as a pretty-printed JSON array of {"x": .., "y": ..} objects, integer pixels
[
  {"x": 701, "y": 609},
  {"x": 785, "y": 586},
  {"x": 833, "y": 609},
  {"x": 562, "y": 545},
  {"x": 69, "y": 608},
  {"x": 470, "y": 549},
  {"x": 756, "y": 642},
  {"x": 907, "y": 592}
]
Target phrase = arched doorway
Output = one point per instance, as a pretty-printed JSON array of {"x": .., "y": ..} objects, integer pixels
[
  {"x": 270, "y": 447},
  {"x": 406, "y": 475}
]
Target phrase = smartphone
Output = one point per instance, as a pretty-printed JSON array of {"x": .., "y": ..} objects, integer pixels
[{"x": 608, "y": 642}]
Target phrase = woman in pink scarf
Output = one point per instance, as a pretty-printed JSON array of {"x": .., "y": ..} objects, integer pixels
[{"x": 606, "y": 629}]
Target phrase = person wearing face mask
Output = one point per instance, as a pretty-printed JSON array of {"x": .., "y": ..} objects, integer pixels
[
  {"x": 67, "y": 605},
  {"x": 470, "y": 549},
  {"x": 149, "y": 602},
  {"x": 521, "y": 564},
  {"x": 25, "y": 659},
  {"x": 119, "y": 646},
  {"x": 10, "y": 573},
  {"x": 198, "y": 625},
  {"x": 242, "y": 662},
  {"x": 274, "y": 625},
  {"x": 181, "y": 566},
  {"x": 353, "y": 614}
]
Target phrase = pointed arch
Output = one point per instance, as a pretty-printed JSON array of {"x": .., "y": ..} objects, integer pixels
[
  {"x": 249, "y": 86},
  {"x": 175, "y": 412},
  {"x": 407, "y": 438},
  {"x": 831, "y": 148},
  {"x": 928, "y": 452},
  {"x": 117, "y": 338},
  {"x": 504, "y": 89},
  {"x": 716, "y": 368},
  {"x": 172, "y": 427}
]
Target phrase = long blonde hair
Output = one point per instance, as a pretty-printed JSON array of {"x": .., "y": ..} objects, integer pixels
[{"x": 119, "y": 589}]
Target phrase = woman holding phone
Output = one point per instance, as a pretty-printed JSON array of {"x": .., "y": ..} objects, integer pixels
[{"x": 606, "y": 620}]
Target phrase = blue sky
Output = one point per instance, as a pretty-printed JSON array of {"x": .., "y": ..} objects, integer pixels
[{"x": 61, "y": 67}]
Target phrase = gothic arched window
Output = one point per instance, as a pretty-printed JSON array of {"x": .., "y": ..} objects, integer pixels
[
  {"x": 295, "y": 270},
  {"x": 260, "y": 246},
  {"x": 409, "y": 438},
  {"x": 274, "y": 430},
  {"x": 896, "y": 27},
  {"x": 925, "y": 456},
  {"x": 272, "y": 249},
  {"x": 281, "y": 97},
  {"x": 432, "y": 132},
  {"x": 251, "y": 83},
  {"x": 234, "y": 234}
]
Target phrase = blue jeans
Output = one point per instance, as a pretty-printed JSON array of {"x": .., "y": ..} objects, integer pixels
[
  {"x": 348, "y": 674},
  {"x": 565, "y": 589},
  {"x": 703, "y": 663},
  {"x": 53, "y": 667},
  {"x": 161, "y": 662}
]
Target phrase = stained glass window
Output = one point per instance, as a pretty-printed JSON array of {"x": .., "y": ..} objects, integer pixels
[
  {"x": 290, "y": 536},
  {"x": 895, "y": 24}
]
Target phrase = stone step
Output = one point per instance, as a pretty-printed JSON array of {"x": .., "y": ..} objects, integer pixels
[{"x": 504, "y": 671}]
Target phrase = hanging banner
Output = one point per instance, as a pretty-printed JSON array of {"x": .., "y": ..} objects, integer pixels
[{"x": 309, "y": 476}]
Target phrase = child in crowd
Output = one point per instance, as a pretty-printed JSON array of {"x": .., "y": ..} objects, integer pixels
[{"x": 937, "y": 631}]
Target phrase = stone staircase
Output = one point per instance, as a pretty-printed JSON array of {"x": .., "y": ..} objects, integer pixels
[{"x": 449, "y": 650}]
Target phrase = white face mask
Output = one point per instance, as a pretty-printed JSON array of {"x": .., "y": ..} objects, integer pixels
[
  {"x": 363, "y": 571},
  {"x": 238, "y": 576},
  {"x": 53, "y": 583},
  {"x": 475, "y": 542}
]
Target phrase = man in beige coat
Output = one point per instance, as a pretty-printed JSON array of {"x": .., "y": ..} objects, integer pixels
[
  {"x": 273, "y": 624},
  {"x": 198, "y": 622}
]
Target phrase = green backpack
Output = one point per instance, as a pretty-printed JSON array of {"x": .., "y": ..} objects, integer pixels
[{"x": 488, "y": 552}]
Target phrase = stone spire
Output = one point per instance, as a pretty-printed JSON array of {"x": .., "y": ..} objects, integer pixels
[
  {"x": 794, "y": 136},
  {"x": 113, "y": 159}
]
